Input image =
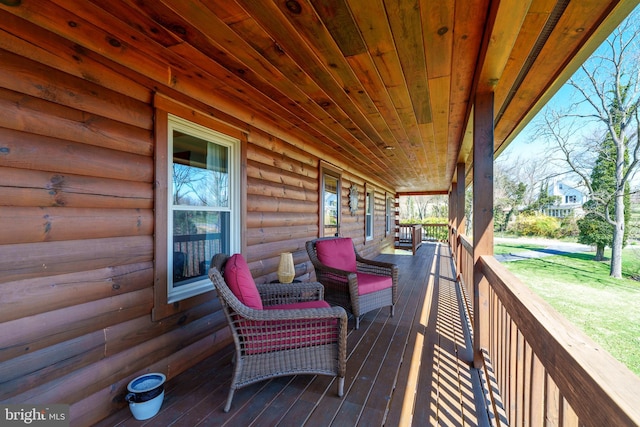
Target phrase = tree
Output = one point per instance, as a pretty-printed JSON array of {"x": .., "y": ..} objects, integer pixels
[
  {"x": 413, "y": 208},
  {"x": 520, "y": 187},
  {"x": 608, "y": 88},
  {"x": 418, "y": 208},
  {"x": 439, "y": 206},
  {"x": 594, "y": 227},
  {"x": 544, "y": 200},
  {"x": 594, "y": 231},
  {"x": 508, "y": 197}
]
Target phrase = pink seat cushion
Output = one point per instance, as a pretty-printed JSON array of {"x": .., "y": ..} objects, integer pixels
[
  {"x": 278, "y": 335},
  {"x": 368, "y": 283},
  {"x": 238, "y": 277},
  {"x": 337, "y": 253}
]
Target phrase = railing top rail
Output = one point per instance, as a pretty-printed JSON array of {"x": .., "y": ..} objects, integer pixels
[
  {"x": 425, "y": 225},
  {"x": 466, "y": 243},
  {"x": 600, "y": 389}
]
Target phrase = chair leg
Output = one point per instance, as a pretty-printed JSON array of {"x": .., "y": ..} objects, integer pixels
[
  {"x": 393, "y": 310},
  {"x": 229, "y": 399},
  {"x": 357, "y": 322},
  {"x": 340, "y": 386}
]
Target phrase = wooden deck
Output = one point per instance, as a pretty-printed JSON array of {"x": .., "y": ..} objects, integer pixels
[{"x": 410, "y": 369}]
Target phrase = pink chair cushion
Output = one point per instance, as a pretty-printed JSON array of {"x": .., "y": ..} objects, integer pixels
[
  {"x": 337, "y": 253},
  {"x": 368, "y": 283},
  {"x": 239, "y": 279},
  {"x": 278, "y": 335}
]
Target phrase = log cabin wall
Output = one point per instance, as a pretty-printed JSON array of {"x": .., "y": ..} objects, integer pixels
[
  {"x": 283, "y": 208},
  {"x": 77, "y": 230}
]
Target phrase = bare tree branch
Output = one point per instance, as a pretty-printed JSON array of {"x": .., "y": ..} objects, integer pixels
[{"x": 608, "y": 88}]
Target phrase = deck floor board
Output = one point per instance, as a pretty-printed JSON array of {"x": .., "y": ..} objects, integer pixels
[{"x": 414, "y": 368}]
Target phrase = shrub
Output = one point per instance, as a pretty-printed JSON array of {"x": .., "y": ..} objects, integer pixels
[
  {"x": 569, "y": 227},
  {"x": 537, "y": 225}
]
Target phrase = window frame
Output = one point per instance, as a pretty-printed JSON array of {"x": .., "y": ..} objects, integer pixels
[
  {"x": 164, "y": 106},
  {"x": 369, "y": 216},
  {"x": 330, "y": 170},
  {"x": 175, "y": 123},
  {"x": 388, "y": 208}
]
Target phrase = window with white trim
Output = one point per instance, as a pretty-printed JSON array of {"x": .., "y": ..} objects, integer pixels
[
  {"x": 203, "y": 204},
  {"x": 387, "y": 215},
  {"x": 330, "y": 215},
  {"x": 369, "y": 214}
]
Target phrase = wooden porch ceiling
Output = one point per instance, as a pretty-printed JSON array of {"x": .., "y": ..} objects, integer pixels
[{"x": 383, "y": 86}]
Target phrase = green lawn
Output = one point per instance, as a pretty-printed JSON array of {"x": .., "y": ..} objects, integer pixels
[
  {"x": 513, "y": 248},
  {"x": 606, "y": 309}
]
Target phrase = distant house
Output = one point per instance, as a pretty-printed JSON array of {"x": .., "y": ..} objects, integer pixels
[{"x": 570, "y": 200}]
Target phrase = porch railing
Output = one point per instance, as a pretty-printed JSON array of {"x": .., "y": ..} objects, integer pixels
[
  {"x": 435, "y": 232},
  {"x": 546, "y": 370},
  {"x": 410, "y": 236},
  {"x": 464, "y": 259}
]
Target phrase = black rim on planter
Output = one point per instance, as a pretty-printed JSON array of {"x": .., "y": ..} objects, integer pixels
[{"x": 144, "y": 396}]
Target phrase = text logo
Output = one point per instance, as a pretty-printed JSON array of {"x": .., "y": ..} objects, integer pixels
[{"x": 34, "y": 415}]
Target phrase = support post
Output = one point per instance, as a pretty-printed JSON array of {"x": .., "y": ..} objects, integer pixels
[
  {"x": 462, "y": 218},
  {"x": 482, "y": 217},
  {"x": 453, "y": 219},
  {"x": 461, "y": 214},
  {"x": 396, "y": 221}
]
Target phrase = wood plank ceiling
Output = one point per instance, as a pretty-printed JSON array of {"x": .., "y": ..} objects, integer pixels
[{"x": 380, "y": 86}]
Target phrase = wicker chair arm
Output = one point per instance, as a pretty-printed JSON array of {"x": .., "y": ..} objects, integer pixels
[
  {"x": 291, "y": 314},
  {"x": 305, "y": 313},
  {"x": 348, "y": 275},
  {"x": 360, "y": 260},
  {"x": 287, "y": 293}
]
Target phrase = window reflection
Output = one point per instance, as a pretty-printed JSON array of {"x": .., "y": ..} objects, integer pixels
[
  {"x": 331, "y": 205},
  {"x": 200, "y": 172}
]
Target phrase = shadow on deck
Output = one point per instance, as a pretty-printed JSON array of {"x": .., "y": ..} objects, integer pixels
[{"x": 411, "y": 369}]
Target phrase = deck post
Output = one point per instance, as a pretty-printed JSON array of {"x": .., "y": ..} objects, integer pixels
[
  {"x": 482, "y": 217},
  {"x": 453, "y": 218},
  {"x": 396, "y": 220},
  {"x": 460, "y": 214},
  {"x": 460, "y": 204}
]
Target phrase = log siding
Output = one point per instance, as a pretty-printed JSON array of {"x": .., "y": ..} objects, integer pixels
[
  {"x": 384, "y": 96},
  {"x": 77, "y": 236}
]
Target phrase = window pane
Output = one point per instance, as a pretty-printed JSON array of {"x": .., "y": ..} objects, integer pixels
[
  {"x": 369, "y": 215},
  {"x": 200, "y": 172},
  {"x": 330, "y": 205},
  {"x": 388, "y": 215},
  {"x": 197, "y": 236}
]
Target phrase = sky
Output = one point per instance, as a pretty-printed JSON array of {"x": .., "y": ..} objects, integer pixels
[
  {"x": 526, "y": 146},
  {"x": 526, "y": 141}
]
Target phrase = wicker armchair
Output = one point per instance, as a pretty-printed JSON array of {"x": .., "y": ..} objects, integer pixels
[
  {"x": 350, "y": 281},
  {"x": 295, "y": 332}
]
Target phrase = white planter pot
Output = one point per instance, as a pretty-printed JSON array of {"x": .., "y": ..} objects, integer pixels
[{"x": 146, "y": 394}]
